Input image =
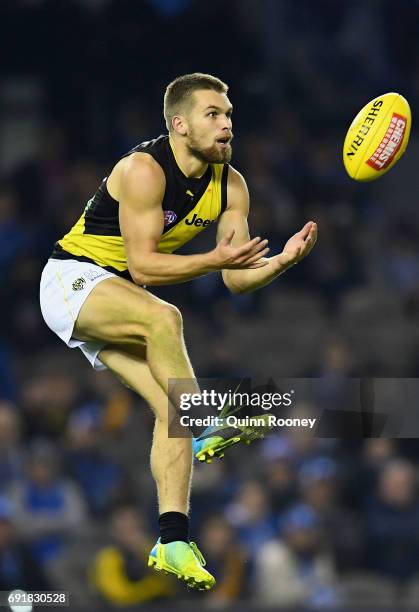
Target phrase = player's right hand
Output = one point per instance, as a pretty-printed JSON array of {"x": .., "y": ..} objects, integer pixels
[{"x": 248, "y": 255}]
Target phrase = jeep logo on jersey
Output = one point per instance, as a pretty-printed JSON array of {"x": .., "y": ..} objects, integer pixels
[
  {"x": 197, "y": 221},
  {"x": 169, "y": 217}
]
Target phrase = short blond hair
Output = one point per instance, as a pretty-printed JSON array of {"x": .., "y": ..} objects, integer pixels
[{"x": 177, "y": 97}]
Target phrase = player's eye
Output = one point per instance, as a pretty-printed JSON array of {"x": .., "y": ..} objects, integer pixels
[{"x": 213, "y": 114}]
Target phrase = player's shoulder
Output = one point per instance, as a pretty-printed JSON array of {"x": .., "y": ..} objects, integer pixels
[
  {"x": 141, "y": 170},
  {"x": 237, "y": 192},
  {"x": 148, "y": 157},
  {"x": 136, "y": 173},
  {"x": 236, "y": 179},
  {"x": 142, "y": 163}
]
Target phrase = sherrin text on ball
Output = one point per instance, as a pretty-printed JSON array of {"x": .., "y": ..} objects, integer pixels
[{"x": 377, "y": 137}]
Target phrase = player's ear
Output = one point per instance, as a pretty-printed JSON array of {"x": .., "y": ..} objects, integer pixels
[{"x": 180, "y": 125}]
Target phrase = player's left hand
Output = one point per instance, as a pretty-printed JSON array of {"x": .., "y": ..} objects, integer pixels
[{"x": 299, "y": 245}]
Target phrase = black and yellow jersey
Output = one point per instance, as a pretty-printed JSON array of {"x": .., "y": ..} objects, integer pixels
[{"x": 190, "y": 205}]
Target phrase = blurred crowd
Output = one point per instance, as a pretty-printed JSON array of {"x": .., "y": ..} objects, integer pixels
[{"x": 293, "y": 520}]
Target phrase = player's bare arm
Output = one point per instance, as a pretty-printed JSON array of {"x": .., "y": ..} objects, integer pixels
[
  {"x": 234, "y": 219},
  {"x": 141, "y": 190}
]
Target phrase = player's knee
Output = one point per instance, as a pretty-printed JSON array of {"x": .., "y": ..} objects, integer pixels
[
  {"x": 173, "y": 318},
  {"x": 166, "y": 318}
]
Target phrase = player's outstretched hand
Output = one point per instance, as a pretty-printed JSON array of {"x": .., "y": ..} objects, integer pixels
[
  {"x": 249, "y": 255},
  {"x": 299, "y": 245}
]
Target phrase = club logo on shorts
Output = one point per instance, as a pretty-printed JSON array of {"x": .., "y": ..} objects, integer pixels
[
  {"x": 79, "y": 284},
  {"x": 169, "y": 217}
]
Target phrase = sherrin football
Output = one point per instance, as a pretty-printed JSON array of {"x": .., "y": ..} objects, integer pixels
[{"x": 377, "y": 137}]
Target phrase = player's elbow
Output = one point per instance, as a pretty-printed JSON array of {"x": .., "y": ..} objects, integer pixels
[
  {"x": 140, "y": 278},
  {"x": 236, "y": 290},
  {"x": 140, "y": 270},
  {"x": 232, "y": 283},
  {"x": 139, "y": 275}
]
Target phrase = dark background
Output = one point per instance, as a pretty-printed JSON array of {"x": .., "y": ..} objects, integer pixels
[{"x": 81, "y": 82}]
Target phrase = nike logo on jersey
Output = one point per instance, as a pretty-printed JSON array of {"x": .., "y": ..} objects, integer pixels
[{"x": 198, "y": 221}]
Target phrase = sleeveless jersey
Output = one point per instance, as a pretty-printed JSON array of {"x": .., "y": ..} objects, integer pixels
[{"x": 190, "y": 205}]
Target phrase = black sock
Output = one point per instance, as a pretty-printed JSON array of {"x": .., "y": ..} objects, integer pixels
[{"x": 174, "y": 526}]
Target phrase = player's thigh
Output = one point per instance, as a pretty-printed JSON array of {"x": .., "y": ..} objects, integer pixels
[
  {"x": 129, "y": 364},
  {"x": 119, "y": 311}
]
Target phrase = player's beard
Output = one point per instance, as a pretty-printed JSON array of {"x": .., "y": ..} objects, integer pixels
[{"x": 209, "y": 155}]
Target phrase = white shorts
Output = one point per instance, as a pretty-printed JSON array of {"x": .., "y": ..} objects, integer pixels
[{"x": 65, "y": 285}]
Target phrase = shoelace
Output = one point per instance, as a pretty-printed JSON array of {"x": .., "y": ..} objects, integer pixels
[{"x": 197, "y": 553}]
